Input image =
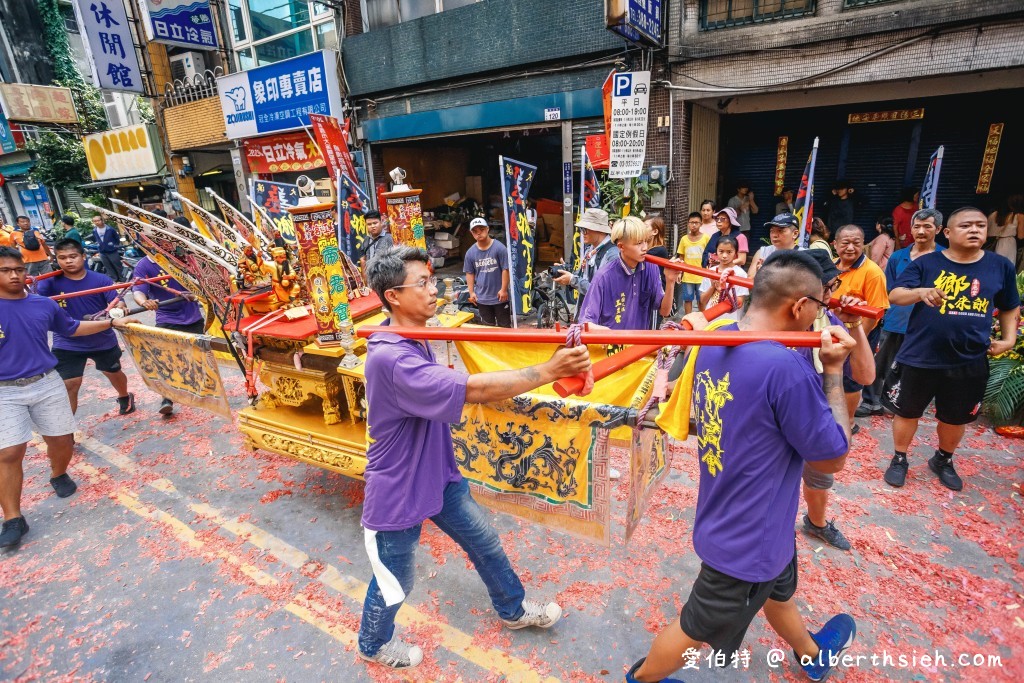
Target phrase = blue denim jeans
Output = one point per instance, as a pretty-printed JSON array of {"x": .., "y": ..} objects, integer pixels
[{"x": 465, "y": 522}]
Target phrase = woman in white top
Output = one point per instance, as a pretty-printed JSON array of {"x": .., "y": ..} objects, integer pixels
[{"x": 1007, "y": 226}]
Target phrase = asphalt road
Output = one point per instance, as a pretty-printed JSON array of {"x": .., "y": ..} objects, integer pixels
[{"x": 184, "y": 557}]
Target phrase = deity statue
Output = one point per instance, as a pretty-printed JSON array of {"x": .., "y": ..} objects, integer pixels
[{"x": 285, "y": 279}]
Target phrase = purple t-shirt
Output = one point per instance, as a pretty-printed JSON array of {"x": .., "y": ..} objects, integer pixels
[
  {"x": 409, "y": 458},
  {"x": 760, "y": 413},
  {"x": 81, "y": 306},
  {"x": 486, "y": 267},
  {"x": 622, "y": 299},
  {"x": 181, "y": 313},
  {"x": 24, "y": 344}
]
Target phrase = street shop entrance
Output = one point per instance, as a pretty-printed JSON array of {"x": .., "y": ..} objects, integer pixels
[
  {"x": 459, "y": 178},
  {"x": 878, "y": 148}
]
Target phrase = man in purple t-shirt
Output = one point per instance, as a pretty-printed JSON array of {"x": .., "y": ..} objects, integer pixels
[
  {"x": 761, "y": 413},
  {"x": 31, "y": 393},
  {"x": 411, "y": 474},
  {"x": 626, "y": 293},
  {"x": 73, "y": 353},
  {"x": 182, "y": 316}
]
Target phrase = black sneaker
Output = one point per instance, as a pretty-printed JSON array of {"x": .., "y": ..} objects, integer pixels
[
  {"x": 947, "y": 474},
  {"x": 126, "y": 404},
  {"x": 828, "y": 533},
  {"x": 896, "y": 475},
  {"x": 166, "y": 407},
  {"x": 865, "y": 411},
  {"x": 12, "y": 532},
  {"x": 64, "y": 485},
  {"x": 855, "y": 429}
]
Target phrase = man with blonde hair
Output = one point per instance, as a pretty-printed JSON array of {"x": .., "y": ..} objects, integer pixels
[{"x": 626, "y": 293}]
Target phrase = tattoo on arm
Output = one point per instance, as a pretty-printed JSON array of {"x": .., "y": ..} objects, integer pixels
[{"x": 832, "y": 384}]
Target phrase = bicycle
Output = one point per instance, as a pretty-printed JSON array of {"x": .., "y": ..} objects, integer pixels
[{"x": 549, "y": 303}]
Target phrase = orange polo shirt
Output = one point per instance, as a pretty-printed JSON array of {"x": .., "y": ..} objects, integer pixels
[
  {"x": 18, "y": 240},
  {"x": 865, "y": 280}
]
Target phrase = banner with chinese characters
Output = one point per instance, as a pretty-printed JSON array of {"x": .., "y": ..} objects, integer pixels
[
  {"x": 107, "y": 34},
  {"x": 178, "y": 366},
  {"x": 516, "y": 179},
  {"x": 40, "y": 103},
  {"x": 648, "y": 466},
  {"x": 320, "y": 259},
  {"x": 803, "y": 203},
  {"x": 276, "y": 199},
  {"x": 185, "y": 23},
  {"x": 988, "y": 161},
  {"x": 405, "y": 218},
  {"x": 352, "y": 207},
  {"x": 781, "y": 155},
  {"x": 885, "y": 116},
  {"x": 280, "y": 96},
  {"x": 930, "y": 189},
  {"x": 333, "y": 142},
  {"x": 285, "y": 153}
]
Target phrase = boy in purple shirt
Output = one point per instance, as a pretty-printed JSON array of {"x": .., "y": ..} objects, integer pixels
[
  {"x": 183, "y": 316},
  {"x": 31, "y": 394},
  {"x": 73, "y": 353},
  {"x": 411, "y": 474},
  {"x": 626, "y": 293},
  {"x": 762, "y": 413}
]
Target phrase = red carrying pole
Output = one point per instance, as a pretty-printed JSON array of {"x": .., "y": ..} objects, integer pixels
[
  {"x": 864, "y": 311},
  {"x": 36, "y": 278},
  {"x": 615, "y": 337},
  {"x": 568, "y": 386},
  {"x": 118, "y": 285}
]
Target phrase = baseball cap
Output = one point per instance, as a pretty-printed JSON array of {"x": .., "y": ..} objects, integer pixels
[
  {"x": 731, "y": 213},
  {"x": 824, "y": 259},
  {"x": 477, "y": 223},
  {"x": 596, "y": 220},
  {"x": 784, "y": 220}
]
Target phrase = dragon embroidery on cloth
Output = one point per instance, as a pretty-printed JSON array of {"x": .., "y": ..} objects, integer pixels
[{"x": 526, "y": 469}]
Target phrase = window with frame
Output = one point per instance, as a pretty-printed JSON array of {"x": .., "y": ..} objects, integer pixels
[
  {"x": 384, "y": 13},
  {"x": 724, "y": 13},
  {"x": 863, "y": 3}
]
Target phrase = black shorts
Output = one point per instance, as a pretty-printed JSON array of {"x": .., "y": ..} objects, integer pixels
[
  {"x": 71, "y": 364},
  {"x": 957, "y": 391},
  {"x": 851, "y": 387},
  {"x": 499, "y": 314},
  {"x": 198, "y": 327},
  {"x": 721, "y": 608}
]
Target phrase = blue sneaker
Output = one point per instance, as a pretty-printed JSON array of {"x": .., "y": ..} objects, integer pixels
[
  {"x": 833, "y": 639},
  {"x": 631, "y": 679}
]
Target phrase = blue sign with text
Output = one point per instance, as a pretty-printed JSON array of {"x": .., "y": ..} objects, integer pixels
[
  {"x": 641, "y": 22},
  {"x": 7, "y": 144},
  {"x": 188, "y": 23}
]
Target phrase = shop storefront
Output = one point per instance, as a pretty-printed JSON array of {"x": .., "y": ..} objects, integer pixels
[{"x": 878, "y": 147}]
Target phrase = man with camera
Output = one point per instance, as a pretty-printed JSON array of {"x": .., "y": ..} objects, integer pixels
[{"x": 597, "y": 236}]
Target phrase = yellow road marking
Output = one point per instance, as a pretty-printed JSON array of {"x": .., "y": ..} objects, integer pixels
[{"x": 452, "y": 639}]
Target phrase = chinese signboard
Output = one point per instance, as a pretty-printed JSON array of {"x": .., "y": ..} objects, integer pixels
[
  {"x": 123, "y": 153},
  {"x": 333, "y": 141},
  {"x": 884, "y": 116},
  {"x": 635, "y": 20},
  {"x": 38, "y": 103},
  {"x": 628, "y": 137},
  {"x": 186, "y": 23},
  {"x": 988, "y": 161},
  {"x": 7, "y": 144},
  {"x": 281, "y": 96},
  {"x": 283, "y": 153},
  {"x": 781, "y": 154},
  {"x": 352, "y": 207},
  {"x": 275, "y": 199},
  {"x": 516, "y": 179},
  {"x": 108, "y": 43},
  {"x": 320, "y": 258}
]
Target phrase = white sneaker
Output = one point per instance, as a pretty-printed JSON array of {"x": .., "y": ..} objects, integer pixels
[
  {"x": 396, "y": 654},
  {"x": 613, "y": 473},
  {"x": 536, "y": 614}
]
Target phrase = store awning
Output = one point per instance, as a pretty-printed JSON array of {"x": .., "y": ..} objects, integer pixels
[
  {"x": 137, "y": 180},
  {"x": 16, "y": 163}
]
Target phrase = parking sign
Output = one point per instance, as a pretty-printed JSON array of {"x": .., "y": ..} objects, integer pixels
[{"x": 628, "y": 136}]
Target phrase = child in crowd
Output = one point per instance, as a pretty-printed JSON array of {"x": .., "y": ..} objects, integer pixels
[
  {"x": 691, "y": 250},
  {"x": 711, "y": 290}
]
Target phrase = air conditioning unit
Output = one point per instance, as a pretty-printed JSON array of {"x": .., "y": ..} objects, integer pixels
[{"x": 187, "y": 65}]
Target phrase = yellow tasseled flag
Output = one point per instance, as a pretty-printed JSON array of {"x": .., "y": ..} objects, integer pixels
[{"x": 674, "y": 418}]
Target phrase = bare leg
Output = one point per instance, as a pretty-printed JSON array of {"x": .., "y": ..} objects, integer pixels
[
  {"x": 73, "y": 385},
  {"x": 666, "y": 653},
  {"x": 787, "y": 622},
  {"x": 11, "y": 478},
  {"x": 950, "y": 436},
  {"x": 817, "y": 503},
  {"x": 852, "y": 401},
  {"x": 59, "y": 449},
  {"x": 903, "y": 430},
  {"x": 119, "y": 381}
]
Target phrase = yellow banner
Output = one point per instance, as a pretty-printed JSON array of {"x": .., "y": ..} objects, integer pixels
[
  {"x": 648, "y": 465},
  {"x": 178, "y": 366}
]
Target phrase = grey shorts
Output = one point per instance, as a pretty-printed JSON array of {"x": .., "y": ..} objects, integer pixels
[
  {"x": 43, "y": 404},
  {"x": 817, "y": 480}
]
